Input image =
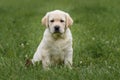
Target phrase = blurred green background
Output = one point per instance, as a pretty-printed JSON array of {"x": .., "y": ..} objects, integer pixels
[{"x": 96, "y": 39}]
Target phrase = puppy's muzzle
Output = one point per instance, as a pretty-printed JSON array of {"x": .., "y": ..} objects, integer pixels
[{"x": 57, "y": 29}]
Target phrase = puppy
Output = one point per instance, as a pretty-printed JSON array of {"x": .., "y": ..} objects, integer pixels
[{"x": 56, "y": 45}]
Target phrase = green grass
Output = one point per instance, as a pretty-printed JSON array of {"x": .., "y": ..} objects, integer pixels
[{"x": 96, "y": 38}]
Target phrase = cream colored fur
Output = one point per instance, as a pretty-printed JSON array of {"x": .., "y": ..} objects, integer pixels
[{"x": 55, "y": 47}]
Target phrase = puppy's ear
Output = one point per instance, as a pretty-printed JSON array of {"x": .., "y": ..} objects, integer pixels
[
  {"x": 45, "y": 20},
  {"x": 69, "y": 20}
]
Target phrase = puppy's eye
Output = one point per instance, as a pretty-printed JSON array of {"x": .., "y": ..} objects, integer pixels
[
  {"x": 61, "y": 20},
  {"x": 51, "y": 20}
]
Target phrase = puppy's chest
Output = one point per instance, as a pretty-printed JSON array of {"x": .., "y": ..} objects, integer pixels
[
  {"x": 58, "y": 47},
  {"x": 57, "y": 51}
]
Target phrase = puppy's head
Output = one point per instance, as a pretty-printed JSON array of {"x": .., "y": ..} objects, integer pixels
[{"x": 57, "y": 21}]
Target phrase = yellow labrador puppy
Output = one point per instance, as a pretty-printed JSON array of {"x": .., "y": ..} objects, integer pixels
[{"x": 56, "y": 45}]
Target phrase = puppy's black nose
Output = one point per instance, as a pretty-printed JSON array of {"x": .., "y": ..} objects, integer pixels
[{"x": 57, "y": 28}]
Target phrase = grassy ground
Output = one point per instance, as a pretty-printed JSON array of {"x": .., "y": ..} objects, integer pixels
[{"x": 96, "y": 38}]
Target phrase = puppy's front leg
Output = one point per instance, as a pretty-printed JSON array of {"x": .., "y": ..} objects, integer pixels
[
  {"x": 46, "y": 62},
  {"x": 68, "y": 59}
]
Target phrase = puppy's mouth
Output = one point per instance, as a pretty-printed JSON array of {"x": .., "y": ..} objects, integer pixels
[{"x": 57, "y": 35}]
